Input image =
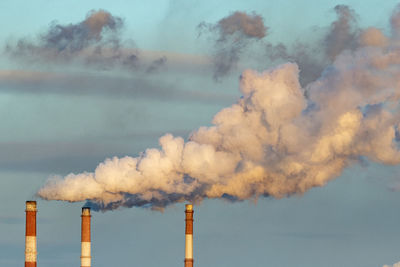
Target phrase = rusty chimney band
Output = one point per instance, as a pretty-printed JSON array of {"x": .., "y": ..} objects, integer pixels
[
  {"x": 30, "y": 234},
  {"x": 189, "y": 236},
  {"x": 85, "y": 238}
]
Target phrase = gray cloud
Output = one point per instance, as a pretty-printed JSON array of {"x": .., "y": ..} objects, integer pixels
[
  {"x": 309, "y": 58},
  {"x": 250, "y": 26},
  {"x": 313, "y": 57},
  {"x": 395, "y": 22},
  {"x": 98, "y": 27},
  {"x": 343, "y": 32},
  {"x": 96, "y": 41},
  {"x": 231, "y": 35}
]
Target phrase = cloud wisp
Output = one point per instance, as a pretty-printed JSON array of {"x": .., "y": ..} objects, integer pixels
[{"x": 116, "y": 86}]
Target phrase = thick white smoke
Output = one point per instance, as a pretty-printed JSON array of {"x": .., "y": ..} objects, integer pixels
[{"x": 277, "y": 140}]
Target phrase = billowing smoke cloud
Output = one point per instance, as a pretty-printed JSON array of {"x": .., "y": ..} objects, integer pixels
[
  {"x": 97, "y": 41},
  {"x": 394, "y": 265},
  {"x": 313, "y": 58},
  {"x": 231, "y": 35},
  {"x": 273, "y": 142}
]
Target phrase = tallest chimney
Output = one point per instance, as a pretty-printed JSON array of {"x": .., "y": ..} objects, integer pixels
[
  {"x": 30, "y": 234},
  {"x": 189, "y": 236},
  {"x": 85, "y": 238}
]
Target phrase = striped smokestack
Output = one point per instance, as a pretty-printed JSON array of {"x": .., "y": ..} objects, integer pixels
[
  {"x": 85, "y": 238},
  {"x": 30, "y": 234},
  {"x": 189, "y": 236}
]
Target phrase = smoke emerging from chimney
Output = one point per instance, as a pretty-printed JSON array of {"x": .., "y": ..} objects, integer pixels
[{"x": 275, "y": 141}]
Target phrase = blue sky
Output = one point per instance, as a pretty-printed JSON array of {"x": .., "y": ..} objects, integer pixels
[{"x": 60, "y": 117}]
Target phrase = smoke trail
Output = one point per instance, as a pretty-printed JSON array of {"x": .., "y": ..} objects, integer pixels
[
  {"x": 273, "y": 142},
  {"x": 343, "y": 33},
  {"x": 99, "y": 29},
  {"x": 315, "y": 56},
  {"x": 233, "y": 33},
  {"x": 96, "y": 41}
]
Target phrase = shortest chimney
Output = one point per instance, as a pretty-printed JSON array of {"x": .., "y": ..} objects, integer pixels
[
  {"x": 189, "y": 236},
  {"x": 85, "y": 238},
  {"x": 30, "y": 234}
]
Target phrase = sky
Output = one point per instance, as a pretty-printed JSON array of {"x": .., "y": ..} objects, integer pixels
[{"x": 72, "y": 96}]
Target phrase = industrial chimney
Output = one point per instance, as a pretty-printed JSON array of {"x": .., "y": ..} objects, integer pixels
[
  {"x": 189, "y": 236},
  {"x": 85, "y": 238},
  {"x": 30, "y": 234}
]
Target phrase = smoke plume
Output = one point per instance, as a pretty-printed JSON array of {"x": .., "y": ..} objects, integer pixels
[
  {"x": 394, "y": 265},
  {"x": 343, "y": 33},
  {"x": 313, "y": 58},
  {"x": 231, "y": 35},
  {"x": 95, "y": 41},
  {"x": 274, "y": 141}
]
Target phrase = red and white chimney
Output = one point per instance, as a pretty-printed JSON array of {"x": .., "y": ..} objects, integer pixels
[
  {"x": 30, "y": 234},
  {"x": 85, "y": 238},
  {"x": 189, "y": 236}
]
